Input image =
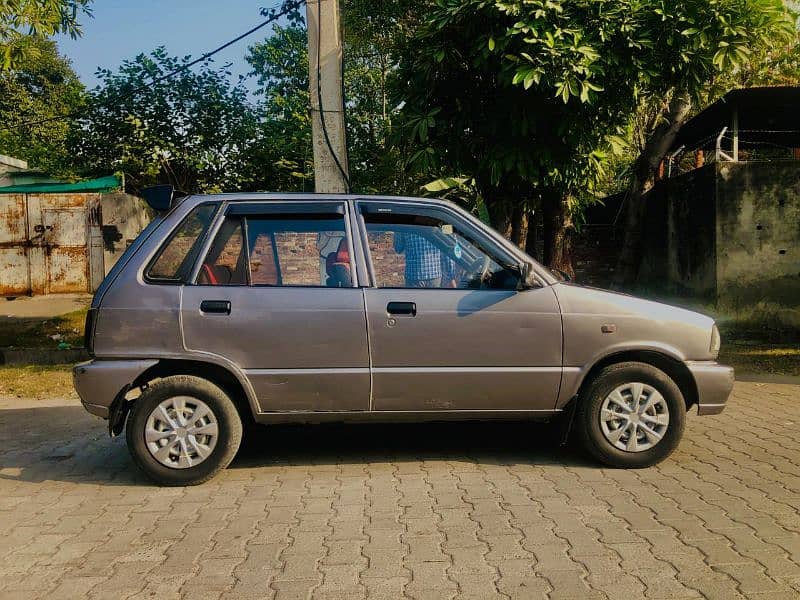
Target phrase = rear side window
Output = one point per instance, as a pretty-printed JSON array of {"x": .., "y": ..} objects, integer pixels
[
  {"x": 174, "y": 261},
  {"x": 308, "y": 250}
]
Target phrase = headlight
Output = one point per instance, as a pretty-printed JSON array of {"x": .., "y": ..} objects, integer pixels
[{"x": 715, "y": 341}]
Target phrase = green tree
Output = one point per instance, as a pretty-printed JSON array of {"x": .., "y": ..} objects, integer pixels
[
  {"x": 22, "y": 21},
  {"x": 775, "y": 64},
  {"x": 770, "y": 62},
  {"x": 374, "y": 36},
  {"x": 481, "y": 99},
  {"x": 524, "y": 95},
  {"x": 280, "y": 158},
  {"x": 192, "y": 130},
  {"x": 709, "y": 47},
  {"x": 34, "y": 94}
]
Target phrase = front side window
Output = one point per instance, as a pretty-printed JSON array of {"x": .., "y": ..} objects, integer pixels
[
  {"x": 175, "y": 259},
  {"x": 308, "y": 250},
  {"x": 422, "y": 251}
]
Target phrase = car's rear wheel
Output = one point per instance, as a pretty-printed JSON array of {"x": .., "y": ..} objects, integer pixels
[
  {"x": 631, "y": 415},
  {"x": 182, "y": 430}
]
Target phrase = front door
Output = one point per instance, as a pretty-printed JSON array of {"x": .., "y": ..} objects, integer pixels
[
  {"x": 273, "y": 298},
  {"x": 448, "y": 327}
]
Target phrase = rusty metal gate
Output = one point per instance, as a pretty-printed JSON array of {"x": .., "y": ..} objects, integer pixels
[{"x": 45, "y": 243}]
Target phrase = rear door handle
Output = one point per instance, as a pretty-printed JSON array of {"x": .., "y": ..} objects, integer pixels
[
  {"x": 221, "y": 307},
  {"x": 402, "y": 308}
]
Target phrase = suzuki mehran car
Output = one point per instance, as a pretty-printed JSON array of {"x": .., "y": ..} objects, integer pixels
[{"x": 230, "y": 310}]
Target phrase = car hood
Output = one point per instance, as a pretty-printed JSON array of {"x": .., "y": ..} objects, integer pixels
[
  {"x": 638, "y": 324},
  {"x": 586, "y": 299}
]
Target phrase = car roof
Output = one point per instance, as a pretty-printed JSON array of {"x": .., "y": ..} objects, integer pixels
[{"x": 306, "y": 196}]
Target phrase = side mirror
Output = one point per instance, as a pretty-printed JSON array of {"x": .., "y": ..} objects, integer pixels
[
  {"x": 159, "y": 197},
  {"x": 527, "y": 276}
]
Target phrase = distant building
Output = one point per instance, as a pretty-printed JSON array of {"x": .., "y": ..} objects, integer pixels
[
  {"x": 725, "y": 223},
  {"x": 64, "y": 237},
  {"x": 8, "y": 167}
]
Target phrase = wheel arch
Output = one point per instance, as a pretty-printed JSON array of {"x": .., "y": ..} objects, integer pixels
[
  {"x": 674, "y": 368},
  {"x": 217, "y": 374}
]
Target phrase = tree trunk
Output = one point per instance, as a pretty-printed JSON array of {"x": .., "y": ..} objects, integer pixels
[
  {"x": 531, "y": 238},
  {"x": 505, "y": 204},
  {"x": 499, "y": 214},
  {"x": 557, "y": 234},
  {"x": 644, "y": 175},
  {"x": 519, "y": 225}
]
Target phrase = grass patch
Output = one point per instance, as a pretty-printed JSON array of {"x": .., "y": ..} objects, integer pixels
[
  {"x": 38, "y": 333},
  {"x": 772, "y": 359},
  {"x": 37, "y": 382},
  {"x": 762, "y": 323}
]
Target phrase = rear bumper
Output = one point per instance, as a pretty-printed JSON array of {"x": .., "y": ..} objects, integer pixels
[
  {"x": 98, "y": 382},
  {"x": 714, "y": 385}
]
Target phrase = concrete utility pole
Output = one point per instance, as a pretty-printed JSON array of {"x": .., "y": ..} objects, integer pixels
[{"x": 325, "y": 59}]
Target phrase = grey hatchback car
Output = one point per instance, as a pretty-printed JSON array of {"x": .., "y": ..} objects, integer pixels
[{"x": 238, "y": 309}]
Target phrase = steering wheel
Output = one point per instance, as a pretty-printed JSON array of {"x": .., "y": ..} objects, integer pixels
[{"x": 477, "y": 271}]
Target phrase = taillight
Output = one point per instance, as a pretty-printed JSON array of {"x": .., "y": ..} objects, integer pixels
[{"x": 88, "y": 331}]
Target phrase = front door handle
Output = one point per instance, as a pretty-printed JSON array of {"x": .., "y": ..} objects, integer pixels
[
  {"x": 221, "y": 307},
  {"x": 402, "y": 308}
]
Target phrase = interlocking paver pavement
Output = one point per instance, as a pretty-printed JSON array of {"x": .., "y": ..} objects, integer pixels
[{"x": 418, "y": 511}]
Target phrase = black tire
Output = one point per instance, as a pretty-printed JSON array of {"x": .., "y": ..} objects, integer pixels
[
  {"x": 228, "y": 421},
  {"x": 587, "y": 416}
]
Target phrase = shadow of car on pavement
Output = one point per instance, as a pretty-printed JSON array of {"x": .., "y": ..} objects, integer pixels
[{"x": 63, "y": 443}]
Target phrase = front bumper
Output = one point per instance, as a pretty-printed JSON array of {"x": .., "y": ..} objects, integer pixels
[
  {"x": 98, "y": 382},
  {"x": 714, "y": 385}
]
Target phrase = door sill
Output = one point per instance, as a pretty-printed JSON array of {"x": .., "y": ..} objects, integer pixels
[{"x": 401, "y": 416}]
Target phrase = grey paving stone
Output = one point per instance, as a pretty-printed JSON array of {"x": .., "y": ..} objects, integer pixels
[{"x": 433, "y": 516}]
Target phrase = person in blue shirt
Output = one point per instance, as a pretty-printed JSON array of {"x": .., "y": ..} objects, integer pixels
[{"x": 426, "y": 265}]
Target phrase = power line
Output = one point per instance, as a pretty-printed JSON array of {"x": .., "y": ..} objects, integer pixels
[{"x": 274, "y": 14}]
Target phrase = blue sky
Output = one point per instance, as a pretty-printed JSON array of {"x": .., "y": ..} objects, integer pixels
[{"x": 122, "y": 29}]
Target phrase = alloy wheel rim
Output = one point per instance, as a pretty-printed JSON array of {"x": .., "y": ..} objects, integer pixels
[
  {"x": 634, "y": 417},
  {"x": 181, "y": 432}
]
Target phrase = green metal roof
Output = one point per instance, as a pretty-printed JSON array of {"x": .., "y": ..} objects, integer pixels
[{"x": 103, "y": 184}]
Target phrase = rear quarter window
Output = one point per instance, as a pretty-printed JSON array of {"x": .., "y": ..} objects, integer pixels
[{"x": 174, "y": 261}]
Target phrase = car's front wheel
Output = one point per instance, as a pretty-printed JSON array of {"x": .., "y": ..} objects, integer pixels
[
  {"x": 631, "y": 415},
  {"x": 182, "y": 430}
]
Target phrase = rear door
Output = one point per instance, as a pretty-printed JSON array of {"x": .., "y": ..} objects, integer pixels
[
  {"x": 448, "y": 327},
  {"x": 277, "y": 295}
]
